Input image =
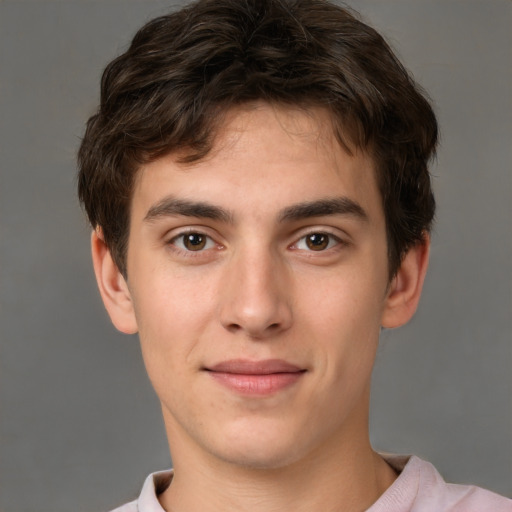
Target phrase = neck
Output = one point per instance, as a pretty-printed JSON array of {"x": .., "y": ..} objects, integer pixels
[
  {"x": 345, "y": 475},
  {"x": 330, "y": 489}
]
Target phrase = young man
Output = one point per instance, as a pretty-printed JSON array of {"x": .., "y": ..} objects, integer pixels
[{"x": 256, "y": 177}]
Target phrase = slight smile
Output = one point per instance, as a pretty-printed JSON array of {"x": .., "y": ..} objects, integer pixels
[{"x": 258, "y": 378}]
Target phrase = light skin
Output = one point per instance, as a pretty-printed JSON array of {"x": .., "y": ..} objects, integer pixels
[{"x": 258, "y": 281}]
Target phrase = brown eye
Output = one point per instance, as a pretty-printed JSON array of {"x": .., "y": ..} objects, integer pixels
[
  {"x": 317, "y": 241},
  {"x": 194, "y": 241}
]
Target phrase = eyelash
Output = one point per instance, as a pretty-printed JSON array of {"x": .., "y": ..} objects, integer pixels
[
  {"x": 332, "y": 241},
  {"x": 209, "y": 243}
]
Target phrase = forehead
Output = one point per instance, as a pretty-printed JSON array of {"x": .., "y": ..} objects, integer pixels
[
  {"x": 262, "y": 151},
  {"x": 309, "y": 131}
]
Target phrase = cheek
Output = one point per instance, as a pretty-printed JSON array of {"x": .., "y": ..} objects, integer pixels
[
  {"x": 343, "y": 316},
  {"x": 348, "y": 299},
  {"x": 168, "y": 299},
  {"x": 172, "y": 312}
]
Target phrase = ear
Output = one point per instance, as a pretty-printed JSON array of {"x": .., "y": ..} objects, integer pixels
[
  {"x": 113, "y": 287},
  {"x": 405, "y": 288}
]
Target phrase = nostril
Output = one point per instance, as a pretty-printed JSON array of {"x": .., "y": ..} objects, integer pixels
[
  {"x": 258, "y": 319},
  {"x": 233, "y": 327}
]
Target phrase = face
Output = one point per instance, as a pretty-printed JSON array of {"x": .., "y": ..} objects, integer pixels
[{"x": 258, "y": 283}]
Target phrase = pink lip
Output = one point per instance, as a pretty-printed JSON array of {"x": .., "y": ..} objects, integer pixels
[{"x": 256, "y": 377}]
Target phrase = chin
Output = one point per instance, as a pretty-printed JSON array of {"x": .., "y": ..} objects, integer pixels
[{"x": 259, "y": 453}]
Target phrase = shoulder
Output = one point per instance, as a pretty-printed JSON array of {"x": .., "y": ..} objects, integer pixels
[
  {"x": 420, "y": 488},
  {"x": 128, "y": 507},
  {"x": 147, "y": 501},
  {"x": 435, "y": 492}
]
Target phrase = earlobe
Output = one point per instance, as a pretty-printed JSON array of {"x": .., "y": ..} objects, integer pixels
[
  {"x": 112, "y": 285},
  {"x": 405, "y": 288}
]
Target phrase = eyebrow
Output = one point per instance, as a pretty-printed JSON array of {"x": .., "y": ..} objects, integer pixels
[
  {"x": 321, "y": 207},
  {"x": 171, "y": 206}
]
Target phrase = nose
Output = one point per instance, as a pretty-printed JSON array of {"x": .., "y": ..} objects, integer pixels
[{"x": 256, "y": 296}]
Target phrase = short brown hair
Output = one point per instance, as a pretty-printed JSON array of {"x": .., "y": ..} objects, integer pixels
[{"x": 168, "y": 91}]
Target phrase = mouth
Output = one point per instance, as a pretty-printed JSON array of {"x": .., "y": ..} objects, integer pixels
[{"x": 258, "y": 378}]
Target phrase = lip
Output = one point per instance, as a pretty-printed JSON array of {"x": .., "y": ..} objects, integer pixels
[{"x": 258, "y": 378}]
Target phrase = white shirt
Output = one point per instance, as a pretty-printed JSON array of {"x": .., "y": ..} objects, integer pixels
[{"x": 418, "y": 488}]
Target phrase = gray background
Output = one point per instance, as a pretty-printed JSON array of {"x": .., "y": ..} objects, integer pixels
[{"x": 80, "y": 427}]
